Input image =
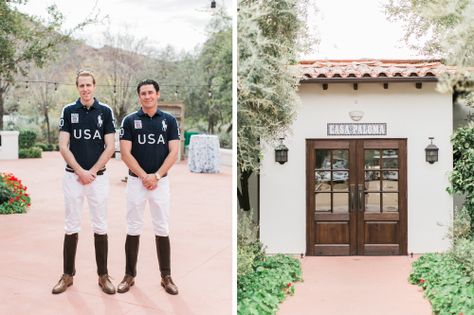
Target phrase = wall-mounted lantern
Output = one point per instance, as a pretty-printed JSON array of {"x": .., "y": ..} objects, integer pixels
[
  {"x": 431, "y": 152},
  {"x": 213, "y": 4},
  {"x": 281, "y": 153}
]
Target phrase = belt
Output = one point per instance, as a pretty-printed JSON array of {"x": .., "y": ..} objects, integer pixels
[
  {"x": 101, "y": 172},
  {"x": 134, "y": 175}
]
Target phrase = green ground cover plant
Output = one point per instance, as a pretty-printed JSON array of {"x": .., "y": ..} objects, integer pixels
[
  {"x": 446, "y": 284},
  {"x": 263, "y": 281},
  {"x": 448, "y": 278},
  {"x": 260, "y": 291}
]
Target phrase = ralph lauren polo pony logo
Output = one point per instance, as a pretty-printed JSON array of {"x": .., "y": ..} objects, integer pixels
[
  {"x": 164, "y": 125},
  {"x": 137, "y": 124},
  {"x": 100, "y": 122},
  {"x": 74, "y": 118}
]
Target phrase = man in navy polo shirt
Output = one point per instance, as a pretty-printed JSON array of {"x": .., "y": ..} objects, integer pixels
[
  {"x": 86, "y": 142},
  {"x": 149, "y": 143}
]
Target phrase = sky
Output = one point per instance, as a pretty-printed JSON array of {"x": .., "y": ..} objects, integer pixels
[
  {"x": 346, "y": 28},
  {"x": 355, "y": 30},
  {"x": 178, "y": 23}
]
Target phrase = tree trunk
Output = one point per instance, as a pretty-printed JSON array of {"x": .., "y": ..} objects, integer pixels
[
  {"x": 2, "y": 109},
  {"x": 243, "y": 193},
  {"x": 48, "y": 127}
]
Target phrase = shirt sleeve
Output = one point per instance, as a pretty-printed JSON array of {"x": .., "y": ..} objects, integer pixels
[
  {"x": 173, "y": 130},
  {"x": 65, "y": 121},
  {"x": 109, "y": 122},
  {"x": 126, "y": 129}
]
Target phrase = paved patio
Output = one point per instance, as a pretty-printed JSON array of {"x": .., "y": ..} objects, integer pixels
[
  {"x": 356, "y": 285},
  {"x": 31, "y": 247}
]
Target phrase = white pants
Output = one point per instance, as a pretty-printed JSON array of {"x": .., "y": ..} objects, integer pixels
[
  {"x": 96, "y": 194},
  {"x": 158, "y": 200}
]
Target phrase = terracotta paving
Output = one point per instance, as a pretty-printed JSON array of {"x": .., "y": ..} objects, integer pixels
[
  {"x": 31, "y": 247},
  {"x": 356, "y": 286}
]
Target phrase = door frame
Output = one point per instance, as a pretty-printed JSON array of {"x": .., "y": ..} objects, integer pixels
[{"x": 403, "y": 214}]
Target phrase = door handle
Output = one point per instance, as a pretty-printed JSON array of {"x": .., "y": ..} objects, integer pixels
[
  {"x": 361, "y": 199},
  {"x": 352, "y": 198}
]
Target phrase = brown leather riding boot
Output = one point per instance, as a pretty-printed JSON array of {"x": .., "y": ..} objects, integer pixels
[
  {"x": 106, "y": 284},
  {"x": 69, "y": 258},
  {"x": 131, "y": 255},
  {"x": 127, "y": 282},
  {"x": 169, "y": 286},
  {"x": 69, "y": 253},
  {"x": 163, "y": 251},
  {"x": 101, "y": 252},
  {"x": 63, "y": 284}
]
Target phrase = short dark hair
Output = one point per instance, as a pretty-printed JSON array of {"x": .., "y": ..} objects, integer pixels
[{"x": 148, "y": 82}]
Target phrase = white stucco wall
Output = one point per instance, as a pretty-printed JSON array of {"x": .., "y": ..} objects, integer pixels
[
  {"x": 414, "y": 114},
  {"x": 9, "y": 147}
]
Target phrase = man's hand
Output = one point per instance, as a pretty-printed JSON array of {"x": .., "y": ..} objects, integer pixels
[
  {"x": 86, "y": 177},
  {"x": 150, "y": 181}
]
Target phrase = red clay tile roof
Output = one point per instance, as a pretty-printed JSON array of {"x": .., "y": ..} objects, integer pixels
[{"x": 370, "y": 69}]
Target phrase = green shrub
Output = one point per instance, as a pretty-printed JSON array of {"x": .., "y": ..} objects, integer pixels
[
  {"x": 33, "y": 152},
  {"x": 46, "y": 147},
  {"x": 26, "y": 139},
  {"x": 445, "y": 281},
  {"x": 13, "y": 195},
  {"x": 249, "y": 247},
  {"x": 225, "y": 140},
  {"x": 5, "y": 193},
  {"x": 463, "y": 252},
  {"x": 461, "y": 227},
  {"x": 462, "y": 176}
]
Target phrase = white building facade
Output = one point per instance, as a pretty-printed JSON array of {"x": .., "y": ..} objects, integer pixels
[{"x": 357, "y": 181}]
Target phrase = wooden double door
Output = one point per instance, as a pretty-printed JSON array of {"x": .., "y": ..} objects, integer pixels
[{"x": 356, "y": 197}]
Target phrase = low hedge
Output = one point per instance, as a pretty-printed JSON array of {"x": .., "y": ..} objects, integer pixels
[
  {"x": 47, "y": 147},
  {"x": 26, "y": 139},
  {"x": 33, "y": 152}
]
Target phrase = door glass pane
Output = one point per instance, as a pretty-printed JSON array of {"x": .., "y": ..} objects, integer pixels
[
  {"x": 390, "y": 202},
  {"x": 340, "y": 181},
  {"x": 340, "y": 159},
  {"x": 371, "y": 159},
  {"x": 390, "y": 180},
  {"x": 390, "y": 159},
  {"x": 372, "y": 202},
  {"x": 372, "y": 180},
  {"x": 323, "y": 159},
  {"x": 323, "y": 181},
  {"x": 323, "y": 202},
  {"x": 340, "y": 203}
]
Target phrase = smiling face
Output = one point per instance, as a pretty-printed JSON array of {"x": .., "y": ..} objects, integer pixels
[
  {"x": 148, "y": 96},
  {"x": 86, "y": 88}
]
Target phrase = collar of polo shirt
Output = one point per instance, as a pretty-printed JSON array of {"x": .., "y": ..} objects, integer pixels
[
  {"x": 141, "y": 113},
  {"x": 80, "y": 105}
]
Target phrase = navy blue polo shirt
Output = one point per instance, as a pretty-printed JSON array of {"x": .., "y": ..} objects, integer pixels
[
  {"x": 149, "y": 137},
  {"x": 87, "y": 128}
]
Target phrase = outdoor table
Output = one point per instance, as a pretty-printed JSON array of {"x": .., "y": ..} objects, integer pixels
[{"x": 203, "y": 155}]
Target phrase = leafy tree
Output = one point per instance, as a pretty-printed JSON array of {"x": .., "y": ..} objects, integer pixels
[
  {"x": 268, "y": 33},
  {"x": 216, "y": 62},
  {"x": 126, "y": 62},
  {"x": 26, "y": 41},
  {"x": 442, "y": 28}
]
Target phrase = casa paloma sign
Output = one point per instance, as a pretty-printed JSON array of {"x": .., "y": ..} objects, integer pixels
[{"x": 357, "y": 129}]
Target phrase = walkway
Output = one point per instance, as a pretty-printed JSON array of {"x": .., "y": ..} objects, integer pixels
[
  {"x": 31, "y": 247},
  {"x": 356, "y": 286}
]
